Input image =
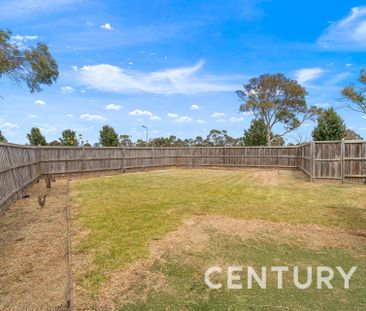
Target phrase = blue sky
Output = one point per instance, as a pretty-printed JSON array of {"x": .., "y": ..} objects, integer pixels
[{"x": 175, "y": 65}]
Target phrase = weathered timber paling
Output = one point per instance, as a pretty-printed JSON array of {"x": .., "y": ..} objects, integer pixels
[{"x": 21, "y": 165}]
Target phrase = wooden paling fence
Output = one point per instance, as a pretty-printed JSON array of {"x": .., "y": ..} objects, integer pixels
[{"x": 21, "y": 165}]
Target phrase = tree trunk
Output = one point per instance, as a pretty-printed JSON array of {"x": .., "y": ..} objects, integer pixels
[{"x": 268, "y": 136}]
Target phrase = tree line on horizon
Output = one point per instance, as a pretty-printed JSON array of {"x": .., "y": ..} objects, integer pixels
[
  {"x": 273, "y": 99},
  {"x": 330, "y": 127}
]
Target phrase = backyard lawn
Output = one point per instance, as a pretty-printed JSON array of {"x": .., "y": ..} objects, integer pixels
[{"x": 143, "y": 241}]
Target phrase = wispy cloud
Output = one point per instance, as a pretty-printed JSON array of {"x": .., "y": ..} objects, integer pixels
[
  {"x": 347, "y": 34},
  {"x": 40, "y": 102},
  {"x": 48, "y": 130},
  {"x": 92, "y": 117},
  {"x": 26, "y": 8},
  {"x": 181, "y": 80},
  {"x": 307, "y": 74},
  {"x": 144, "y": 113},
  {"x": 183, "y": 119},
  {"x": 218, "y": 115},
  {"x": 7, "y": 125},
  {"x": 195, "y": 107},
  {"x": 113, "y": 107},
  {"x": 32, "y": 116},
  {"x": 237, "y": 119},
  {"x": 22, "y": 40},
  {"x": 179, "y": 119},
  {"x": 67, "y": 89}
]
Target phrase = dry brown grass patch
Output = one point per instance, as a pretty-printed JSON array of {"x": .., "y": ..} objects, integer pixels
[{"x": 33, "y": 268}]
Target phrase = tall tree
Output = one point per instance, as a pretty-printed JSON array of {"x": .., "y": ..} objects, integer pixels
[
  {"x": 355, "y": 96},
  {"x": 276, "y": 99},
  {"x": 2, "y": 138},
  {"x": 330, "y": 126},
  {"x": 108, "y": 137},
  {"x": 36, "y": 138},
  {"x": 33, "y": 66},
  {"x": 220, "y": 138},
  {"x": 68, "y": 138}
]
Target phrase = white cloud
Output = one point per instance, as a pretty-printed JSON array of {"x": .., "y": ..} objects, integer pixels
[
  {"x": 67, "y": 89},
  {"x": 307, "y": 74},
  {"x": 218, "y": 115},
  {"x": 144, "y": 113},
  {"x": 75, "y": 68},
  {"x": 179, "y": 119},
  {"x": 364, "y": 117},
  {"x": 89, "y": 23},
  {"x": 69, "y": 115},
  {"x": 183, "y": 119},
  {"x": 32, "y": 116},
  {"x": 92, "y": 117},
  {"x": 113, "y": 107},
  {"x": 106, "y": 26},
  {"x": 195, "y": 107},
  {"x": 221, "y": 121},
  {"x": 348, "y": 33},
  {"x": 40, "y": 102},
  {"x": 236, "y": 119},
  {"x": 201, "y": 121},
  {"x": 182, "y": 80},
  {"x": 348, "y": 65}
]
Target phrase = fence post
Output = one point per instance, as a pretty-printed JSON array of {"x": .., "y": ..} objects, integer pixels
[
  {"x": 123, "y": 159},
  {"x": 342, "y": 160},
  {"x": 312, "y": 161}
]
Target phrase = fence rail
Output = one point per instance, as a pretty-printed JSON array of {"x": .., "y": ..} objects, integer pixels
[{"x": 21, "y": 165}]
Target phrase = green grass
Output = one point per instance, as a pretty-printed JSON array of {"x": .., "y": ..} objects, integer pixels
[
  {"x": 123, "y": 213},
  {"x": 185, "y": 290}
]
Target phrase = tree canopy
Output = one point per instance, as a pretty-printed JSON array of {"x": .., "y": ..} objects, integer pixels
[
  {"x": 351, "y": 135},
  {"x": 36, "y": 138},
  {"x": 125, "y": 140},
  {"x": 2, "y": 138},
  {"x": 330, "y": 126},
  {"x": 108, "y": 137},
  {"x": 355, "y": 96},
  {"x": 33, "y": 66},
  {"x": 256, "y": 134},
  {"x": 276, "y": 99},
  {"x": 68, "y": 138}
]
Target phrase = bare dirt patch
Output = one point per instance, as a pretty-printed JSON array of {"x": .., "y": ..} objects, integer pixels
[
  {"x": 194, "y": 235},
  {"x": 33, "y": 266}
]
